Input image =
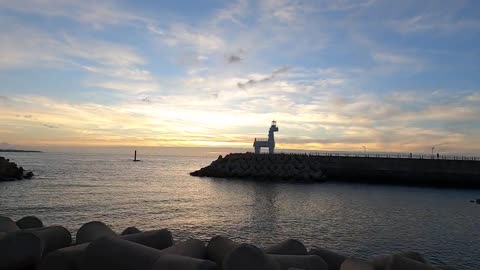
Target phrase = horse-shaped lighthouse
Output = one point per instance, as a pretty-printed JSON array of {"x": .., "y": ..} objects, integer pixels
[{"x": 270, "y": 142}]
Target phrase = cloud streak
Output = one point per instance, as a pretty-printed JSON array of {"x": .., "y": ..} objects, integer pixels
[{"x": 253, "y": 82}]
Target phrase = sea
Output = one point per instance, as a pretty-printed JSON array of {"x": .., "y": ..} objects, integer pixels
[{"x": 356, "y": 220}]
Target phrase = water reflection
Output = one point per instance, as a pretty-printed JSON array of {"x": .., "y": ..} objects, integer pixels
[{"x": 264, "y": 210}]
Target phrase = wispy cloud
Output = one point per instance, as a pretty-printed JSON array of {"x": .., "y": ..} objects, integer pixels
[
  {"x": 94, "y": 13},
  {"x": 253, "y": 82}
]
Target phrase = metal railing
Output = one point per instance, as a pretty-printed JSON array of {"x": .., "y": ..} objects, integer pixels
[{"x": 384, "y": 155}]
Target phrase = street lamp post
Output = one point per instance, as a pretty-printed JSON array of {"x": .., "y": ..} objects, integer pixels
[
  {"x": 364, "y": 150},
  {"x": 433, "y": 148}
]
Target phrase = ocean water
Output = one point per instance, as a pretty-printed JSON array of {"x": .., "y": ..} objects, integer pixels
[{"x": 158, "y": 192}]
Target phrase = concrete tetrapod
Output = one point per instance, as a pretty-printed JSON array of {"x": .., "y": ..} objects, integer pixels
[
  {"x": 356, "y": 264},
  {"x": 333, "y": 260},
  {"x": 229, "y": 255},
  {"x": 157, "y": 239},
  {"x": 380, "y": 262},
  {"x": 250, "y": 257},
  {"x": 93, "y": 230},
  {"x": 8, "y": 225},
  {"x": 53, "y": 237},
  {"x": 400, "y": 263},
  {"x": 118, "y": 254},
  {"x": 29, "y": 222},
  {"x": 19, "y": 250},
  {"x": 69, "y": 258},
  {"x": 193, "y": 248},
  {"x": 306, "y": 262},
  {"x": 288, "y": 247},
  {"x": 130, "y": 230}
]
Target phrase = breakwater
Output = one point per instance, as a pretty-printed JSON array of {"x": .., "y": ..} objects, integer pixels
[
  {"x": 313, "y": 168},
  {"x": 29, "y": 244}
]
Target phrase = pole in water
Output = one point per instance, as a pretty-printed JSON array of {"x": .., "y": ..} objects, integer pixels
[{"x": 135, "y": 156}]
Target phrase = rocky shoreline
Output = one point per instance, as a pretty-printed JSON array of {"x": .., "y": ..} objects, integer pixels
[
  {"x": 28, "y": 244},
  {"x": 9, "y": 171}
]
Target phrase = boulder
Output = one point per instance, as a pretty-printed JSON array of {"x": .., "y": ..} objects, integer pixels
[
  {"x": 93, "y": 230},
  {"x": 287, "y": 247},
  {"x": 333, "y": 260},
  {"x": 29, "y": 222}
]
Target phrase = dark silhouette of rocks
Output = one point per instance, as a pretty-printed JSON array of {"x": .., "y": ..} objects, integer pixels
[
  {"x": 277, "y": 167},
  {"x": 51, "y": 248},
  {"x": 321, "y": 168},
  {"x": 9, "y": 171}
]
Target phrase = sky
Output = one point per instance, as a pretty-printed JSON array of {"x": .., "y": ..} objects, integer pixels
[{"x": 394, "y": 76}]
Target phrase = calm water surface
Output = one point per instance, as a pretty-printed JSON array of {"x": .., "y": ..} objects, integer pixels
[{"x": 357, "y": 220}]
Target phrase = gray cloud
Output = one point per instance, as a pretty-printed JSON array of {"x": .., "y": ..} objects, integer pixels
[
  {"x": 28, "y": 116},
  {"x": 49, "y": 126},
  {"x": 146, "y": 100},
  {"x": 233, "y": 58},
  {"x": 251, "y": 82}
]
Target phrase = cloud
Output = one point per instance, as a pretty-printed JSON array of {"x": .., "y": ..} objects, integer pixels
[
  {"x": 89, "y": 12},
  {"x": 435, "y": 23},
  {"x": 125, "y": 85},
  {"x": 181, "y": 35},
  {"x": 232, "y": 12},
  {"x": 44, "y": 49},
  {"x": 132, "y": 73},
  {"x": 49, "y": 126},
  {"x": 474, "y": 97},
  {"x": 392, "y": 58},
  {"x": 233, "y": 58},
  {"x": 252, "y": 82}
]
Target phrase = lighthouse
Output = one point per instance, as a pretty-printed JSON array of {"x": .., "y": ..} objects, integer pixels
[{"x": 258, "y": 143}]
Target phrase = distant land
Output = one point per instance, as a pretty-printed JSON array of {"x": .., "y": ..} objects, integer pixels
[{"x": 23, "y": 151}]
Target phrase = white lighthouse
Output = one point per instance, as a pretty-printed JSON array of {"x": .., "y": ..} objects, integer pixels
[{"x": 270, "y": 142}]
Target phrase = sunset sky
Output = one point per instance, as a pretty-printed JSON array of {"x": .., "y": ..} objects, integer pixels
[{"x": 336, "y": 75}]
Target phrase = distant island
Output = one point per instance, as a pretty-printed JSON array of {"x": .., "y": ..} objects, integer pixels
[{"x": 21, "y": 151}]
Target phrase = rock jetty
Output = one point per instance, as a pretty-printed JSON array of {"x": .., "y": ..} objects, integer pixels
[
  {"x": 360, "y": 169},
  {"x": 27, "y": 244},
  {"x": 9, "y": 171},
  {"x": 264, "y": 167}
]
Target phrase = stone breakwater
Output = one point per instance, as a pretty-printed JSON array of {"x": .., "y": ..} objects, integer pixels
[
  {"x": 312, "y": 168},
  {"x": 9, "y": 171},
  {"x": 264, "y": 167},
  {"x": 28, "y": 244}
]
